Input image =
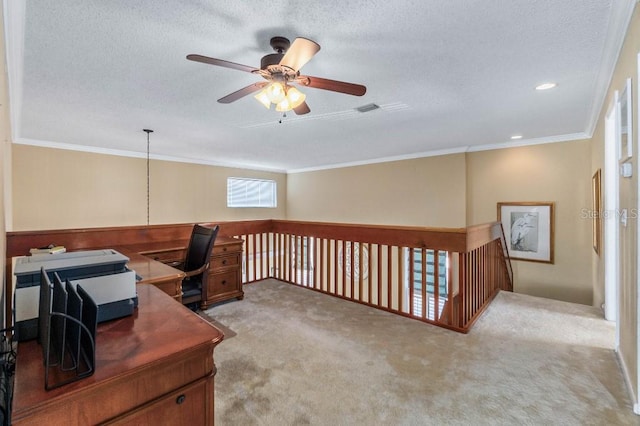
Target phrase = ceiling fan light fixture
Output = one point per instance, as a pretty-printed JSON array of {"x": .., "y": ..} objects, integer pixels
[
  {"x": 275, "y": 92},
  {"x": 263, "y": 98},
  {"x": 284, "y": 105},
  {"x": 295, "y": 97}
]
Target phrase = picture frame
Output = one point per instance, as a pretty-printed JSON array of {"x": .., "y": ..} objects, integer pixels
[
  {"x": 528, "y": 229},
  {"x": 596, "y": 193},
  {"x": 625, "y": 133}
]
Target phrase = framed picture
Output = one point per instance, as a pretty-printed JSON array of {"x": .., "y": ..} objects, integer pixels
[
  {"x": 625, "y": 149},
  {"x": 528, "y": 229},
  {"x": 597, "y": 209}
]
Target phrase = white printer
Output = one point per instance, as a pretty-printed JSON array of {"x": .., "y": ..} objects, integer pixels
[{"x": 101, "y": 273}]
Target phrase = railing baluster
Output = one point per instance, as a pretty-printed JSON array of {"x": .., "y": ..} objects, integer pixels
[
  {"x": 320, "y": 260},
  {"x": 369, "y": 274},
  {"x": 411, "y": 279},
  {"x": 462, "y": 280},
  {"x": 268, "y": 274},
  {"x": 352, "y": 269},
  {"x": 280, "y": 256},
  {"x": 247, "y": 258},
  {"x": 288, "y": 251},
  {"x": 400, "y": 284},
  {"x": 423, "y": 286},
  {"x": 436, "y": 285},
  {"x": 389, "y": 283},
  {"x": 261, "y": 254},
  {"x": 335, "y": 267},
  {"x": 360, "y": 271},
  {"x": 379, "y": 276},
  {"x": 451, "y": 296}
]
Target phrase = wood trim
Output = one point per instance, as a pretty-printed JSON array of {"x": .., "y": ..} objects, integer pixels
[{"x": 451, "y": 239}]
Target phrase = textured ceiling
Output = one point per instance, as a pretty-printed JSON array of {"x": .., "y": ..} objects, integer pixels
[{"x": 448, "y": 75}]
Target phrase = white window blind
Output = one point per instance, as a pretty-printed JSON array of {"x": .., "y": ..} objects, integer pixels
[{"x": 243, "y": 192}]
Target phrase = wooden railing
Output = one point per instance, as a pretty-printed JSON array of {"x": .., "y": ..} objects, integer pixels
[
  {"x": 385, "y": 267},
  {"x": 443, "y": 276}
]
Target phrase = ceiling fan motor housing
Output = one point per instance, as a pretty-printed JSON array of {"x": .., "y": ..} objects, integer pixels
[
  {"x": 272, "y": 59},
  {"x": 280, "y": 44}
]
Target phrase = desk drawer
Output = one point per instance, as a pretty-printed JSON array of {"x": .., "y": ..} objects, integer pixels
[
  {"x": 168, "y": 256},
  {"x": 191, "y": 405},
  {"x": 224, "y": 282},
  {"x": 219, "y": 262},
  {"x": 227, "y": 248}
]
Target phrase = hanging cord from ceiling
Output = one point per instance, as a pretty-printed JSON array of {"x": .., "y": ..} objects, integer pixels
[{"x": 147, "y": 131}]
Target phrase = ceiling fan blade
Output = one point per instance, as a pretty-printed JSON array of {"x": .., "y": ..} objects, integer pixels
[
  {"x": 333, "y": 85},
  {"x": 301, "y": 109},
  {"x": 300, "y": 52},
  {"x": 242, "y": 92},
  {"x": 220, "y": 63}
]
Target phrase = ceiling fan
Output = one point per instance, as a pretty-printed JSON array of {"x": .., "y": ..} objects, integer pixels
[{"x": 281, "y": 70}]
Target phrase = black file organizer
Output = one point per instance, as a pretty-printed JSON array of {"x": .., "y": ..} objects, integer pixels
[
  {"x": 7, "y": 371},
  {"x": 67, "y": 323}
]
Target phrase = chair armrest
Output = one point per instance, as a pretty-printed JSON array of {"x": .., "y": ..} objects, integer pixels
[{"x": 198, "y": 271}]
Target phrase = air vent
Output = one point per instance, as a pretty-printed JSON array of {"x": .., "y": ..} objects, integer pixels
[{"x": 367, "y": 108}]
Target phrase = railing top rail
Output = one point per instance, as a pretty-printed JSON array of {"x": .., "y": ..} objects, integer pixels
[
  {"x": 134, "y": 227},
  {"x": 19, "y": 242},
  {"x": 450, "y": 239},
  {"x": 479, "y": 235}
]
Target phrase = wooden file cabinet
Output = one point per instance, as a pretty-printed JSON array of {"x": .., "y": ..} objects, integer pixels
[{"x": 225, "y": 272}]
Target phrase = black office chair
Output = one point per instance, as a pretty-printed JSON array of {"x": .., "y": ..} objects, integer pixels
[{"x": 196, "y": 264}]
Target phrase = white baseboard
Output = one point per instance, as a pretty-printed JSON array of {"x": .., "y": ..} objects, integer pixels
[{"x": 627, "y": 380}]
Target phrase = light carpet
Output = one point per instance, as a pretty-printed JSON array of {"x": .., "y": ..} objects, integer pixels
[{"x": 301, "y": 357}]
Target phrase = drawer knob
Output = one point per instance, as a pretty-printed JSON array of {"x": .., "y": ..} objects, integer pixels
[
  {"x": 180, "y": 399},
  {"x": 224, "y": 262},
  {"x": 224, "y": 282}
]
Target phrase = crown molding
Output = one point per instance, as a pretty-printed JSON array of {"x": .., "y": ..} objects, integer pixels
[
  {"x": 135, "y": 154},
  {"x": 381, "y": 160},
  {"x": 528, "y": 142},
  {"x": 504, "y": 145},
  {"x": 620, "y": 18}
]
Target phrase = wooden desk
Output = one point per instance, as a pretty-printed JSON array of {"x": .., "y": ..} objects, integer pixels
[
  {"x": 224, "y": 280},
  {"x": 163, "y": 276},
  {"x": 154, "y": 367},
  {"x": 132, "y": 239}
]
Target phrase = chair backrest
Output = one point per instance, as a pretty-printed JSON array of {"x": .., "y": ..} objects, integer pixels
[{"x": 200, "y": 246}]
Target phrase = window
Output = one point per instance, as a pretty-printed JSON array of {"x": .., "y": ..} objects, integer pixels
[
  {"x": 416, "y": 281},
  {"x": 243, "y": 192}
]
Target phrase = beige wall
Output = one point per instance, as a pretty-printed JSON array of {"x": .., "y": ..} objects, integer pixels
[
  {"x": 628, "y": 307},
  {"x": 464, "y": 189},
  {"x": 55, "y": 188},
  {"x": 557, "y": 172},
  {"x": 5, "y": 160},
  {"x": 425, "y": 192}
]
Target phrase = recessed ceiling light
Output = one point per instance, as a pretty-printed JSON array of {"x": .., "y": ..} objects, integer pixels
[
  {"x": 546, "y": 86},
  {"x": 514, "y": 137}
]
